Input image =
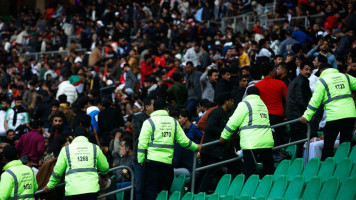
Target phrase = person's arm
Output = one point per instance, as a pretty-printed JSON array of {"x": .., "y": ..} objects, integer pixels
[
  {"x": 310, "y": 54},
  {"x": 212, "y": 127},
  {"x": 19, "y": 146},
  {"x": 41, "y": 148},
  {"x": 143, "y": 140},
  {"x": 333, "y": 62},
  {"x": 183, "y": 140},
  {"x": 203, "y": 79},
  {"x": 6, "y": 186},
  {"x": 102, "y": 162},
  {"x": 352, "y": 82},
  {"x": 235, "y": 121},
  {"x": 284, "y": 90},
  {"x": 315, "y": 101},
  {"x": 58, "y": 170}
]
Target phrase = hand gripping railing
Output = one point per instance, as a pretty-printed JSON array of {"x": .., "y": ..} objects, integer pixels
[
  {"x": 131, "y": 187},
  {"x": 195, "y": 169}
]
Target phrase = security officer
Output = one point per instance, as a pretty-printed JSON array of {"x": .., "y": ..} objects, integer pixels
[
  {"x": 80, "y": 162},
  {"x": 333, "y": 89},
  {"x": 256, "y": 139},
  {"x": 18, "y": 181},
  {"x": 156, "y": 148}
]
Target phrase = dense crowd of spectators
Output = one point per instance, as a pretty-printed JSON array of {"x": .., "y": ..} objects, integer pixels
[{"x": 140, "y": 50}]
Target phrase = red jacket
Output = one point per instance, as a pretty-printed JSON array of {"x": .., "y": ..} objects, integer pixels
[
  {"x": 146, "y": 71},
  {"x": 273, "y": 92},
  {"x": 169, "y": 75},
  {"x": 331, "y": 22}
]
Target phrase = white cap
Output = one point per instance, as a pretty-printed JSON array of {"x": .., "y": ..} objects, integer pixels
[
  {"x": 178, "y": 56},
  {"x": 100, "y": 23},
  {"x": 77, "y": 60},
  {"x": 117, "y": 13}
]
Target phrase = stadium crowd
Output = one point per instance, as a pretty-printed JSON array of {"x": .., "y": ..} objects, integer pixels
[{"x": 138, "y": 51}]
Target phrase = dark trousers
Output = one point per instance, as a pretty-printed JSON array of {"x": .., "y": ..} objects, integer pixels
[
  {"x": 158, "y": 176},
  {"x": 139, "y": 174},
  {"x": 88, "y": 196},
  {"x": 279, "y": 132},
  {"x": 332, "y": 129},
  {"x": 261, "y": 155},
  {"x": 298, "y": 131}
]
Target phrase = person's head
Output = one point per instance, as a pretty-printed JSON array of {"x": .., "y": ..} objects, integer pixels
[
  {"x": 150, "y": 81},
  {"x": 5, "y": 104},
  {"x": 63, "y": 98},
  {"x": 268, "y": 70},
  {"x": 225, "y": 100},
  {"x": 160, "y": 104},
  {"x": 185, "y": 118},
  {"x": 55, "y": 106},
  {"x": 148, "y": 105},
  {"x": 243, "y": 81},
  {"x": 81, "y": 131},
  {"x": 10, "y": 134},
  {"x": 263, "y": 43},
  {"x": 324, "y": 46},
  {"x": 306, "y": 69},
  {"x": 196, "y": 47},
  {"x": 83, "y": 102},
  {"x": 3, "y": 144},
  {"x": 225, "y": 74},
  {"x": 18, "y": 102},
  {"x": 105, "y": 102},
  {"x": 126, "y": 145},
  {"x": 318, "y": 60},
  {"x": 255, "y": 72},
  {"x": 85, "y": 121},
  {"x": 36, "y": 124},
  {"x": 253, "y": 91},
  {"x": 282, "y": 70},
  {"x": 213, "y": 75},
  {"x": 189, "y": 67},
  {"x": 322, "y": 68},
  {"x": 9, "y": 154},
  {"x": 176, "y": 77},
  {"x": 58, "y": 120},
  {"x": 278, "y": 59}
]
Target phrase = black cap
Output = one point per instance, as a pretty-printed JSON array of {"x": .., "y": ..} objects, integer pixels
[{"x": 322, "y": 67}]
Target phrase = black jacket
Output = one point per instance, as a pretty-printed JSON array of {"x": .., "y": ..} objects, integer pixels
[
  {"x": 298, "y": 97},
  {"x": 221, "y": 87},
  {"x": 43, "y": 110},
  {"x": 137, "y": 121}
]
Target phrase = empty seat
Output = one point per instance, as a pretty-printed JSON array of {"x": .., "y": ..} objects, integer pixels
[
  {"x": 311, "y": 169},
  {"x": 343, "y": 169},
  {"x": 293, "y": 151},
  {"x": 178, "y": 184},
  {"x": 327, "y": 168},
  {"x": 228, "y": 197},
  {"x": 200, "y": 196},
  {"x": 347, "y": 189},
  {"x": 329, "y": 190},
  {"x": 353, "y": 155},
  {"x": 214, "y": 197},
  {"x": 342, "y": 152},
  {"x": 250, "y": 186},
  {"x": 223, "y": 185},
  {"x": 278, "y": 188},
  {"x": 312, "y": 189},
  {"x": 236, "y": 185},
  {"x": 120, "y": 195},
  {"x": 295, "y": 169},
  {"x": 294, "y": 189},
  {"x": 188, "y": 196},
  {"x": 175, "y": 196},
  {"x": 163, "y": 195},
  {"x": 264, "y": 186},
  {"x": 282, "y": 169},
  {"x": 353, "y": 172}
]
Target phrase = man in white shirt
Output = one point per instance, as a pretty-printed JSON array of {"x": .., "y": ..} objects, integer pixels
[
  {"x": 5, "y": 105},
  {"x": 194, "y": 54},
  {"x": 16, "y": 116}
]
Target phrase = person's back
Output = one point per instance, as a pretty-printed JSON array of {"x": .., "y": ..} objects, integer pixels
[
  {"x": 32, "y": 144},
  {"x": 18, "y": 181}
]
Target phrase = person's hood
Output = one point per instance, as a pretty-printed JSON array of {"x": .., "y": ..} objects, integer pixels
[{"x": 46, "y": 99}]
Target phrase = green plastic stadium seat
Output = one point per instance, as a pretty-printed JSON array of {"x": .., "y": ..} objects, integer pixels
[
  {"x": 188, "y": 196},
  {"x": 311, "y": 169},
  {"x": 329, "y": 190},
  {"x": 278, "y": 188},
  {"x": 293, "y": 151},
  {"x": 342, "y": 152},
  {"x": 227, "y": 197},
  {"x": 264, "y": 186},
  {"x": 295, "y": 169},
  {"x": 236, "y": 185},
  {"x": 282, "y": 169},
  {"x": 245, "y": 198},
  {"x": 163, "y": 195},
  {"x": 353, "y": 172},
  {"x": 343, "y": 169},
  {"x": 347, "y": 189},
  {"x": 120, "y": 195},
  {"x": 178, "y": 184},
  {"x": 175, "y": 196},
  {"x": 214, "y": 197},
  {"x": 223, "y": 185},
  {"x": 352, "y": 155},
  {"x": 250, "y": 186},
  {"x": 311, "y": 191},
  {"x": 200, "y": 196},
  {"x": 327, "y": 168},
  {"x": 294, "y": 189}
]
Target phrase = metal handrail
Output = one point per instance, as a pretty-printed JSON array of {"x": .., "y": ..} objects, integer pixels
[
  {"x": 131, "y": 187},
  {"x": 195, "y": 169}
]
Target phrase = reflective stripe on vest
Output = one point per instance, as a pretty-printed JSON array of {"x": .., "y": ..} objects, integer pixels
[
  {"x": 16, "y": 188},
  {"x": 330, "y": 99},
  {"x": 250, "y": 119},
  {"x": 151, "y": 144},
  {"x": 71, "y": 171}
]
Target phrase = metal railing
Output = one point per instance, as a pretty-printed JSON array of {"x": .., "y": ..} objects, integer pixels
[
  {"x": 195, "y": 169},
  {"x": 36, "y": 55},
  {"x": 131, "y": 187}
]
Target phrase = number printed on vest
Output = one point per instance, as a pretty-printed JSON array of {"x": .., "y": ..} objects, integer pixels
[
  {"x": 340, "y": 86},
  {"x": 27, "y": 186},
  {"x": 166, "y": 134},
  {"x": 263, "y": 115},
  {"x": 82, "y": 158}
]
